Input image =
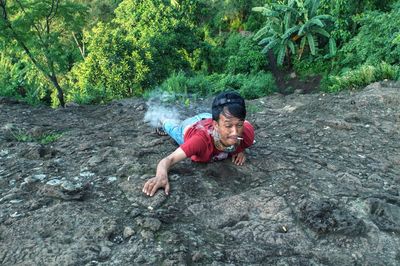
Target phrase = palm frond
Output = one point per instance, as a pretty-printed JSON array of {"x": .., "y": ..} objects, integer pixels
[
  {"x": 315, "y": 21},
  {"x": 261, "y": 32},
  {"x": 290, "y": 31},
  {"x": 332, "y": 46},
  {"x": 269, "y": 46},
  {"x": 311, "y": 43},
  {"x": 303, "y": 42},
  {"x": 323, "y": 17},
  {"x": 322, "y": 32},
  {"x": 265, "y": 40},
  {"x": 281, "y": 55},
  {"x": 292, "y": 47}
]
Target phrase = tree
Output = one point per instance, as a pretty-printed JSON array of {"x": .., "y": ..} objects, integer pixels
[
  {"x": 43, "y": 30},
  {"x": 145, "y": 42},
  {"x": 291, "y": 26}
]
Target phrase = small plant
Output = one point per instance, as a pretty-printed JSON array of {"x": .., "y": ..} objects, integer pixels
[
  {"x": 44, "y": 138},
  {"x": 360, "y": 77}
]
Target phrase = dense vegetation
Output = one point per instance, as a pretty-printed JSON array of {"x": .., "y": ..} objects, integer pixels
[{"x": 93, "y": 51}]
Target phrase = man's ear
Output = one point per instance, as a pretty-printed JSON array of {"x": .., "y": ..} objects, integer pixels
[{"x": 215, "y": 124}]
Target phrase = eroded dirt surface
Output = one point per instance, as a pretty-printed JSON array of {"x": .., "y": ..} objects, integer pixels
[{"x": 320, "y": 187}]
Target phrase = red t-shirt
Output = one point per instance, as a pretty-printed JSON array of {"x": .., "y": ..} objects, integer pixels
[{"x": 199, "y": 144}]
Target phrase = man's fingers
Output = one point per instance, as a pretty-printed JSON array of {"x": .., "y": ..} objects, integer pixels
[
  {"x": 167, "y": 189},
  {"x": 154, "y": 189},
  {"x": 146, "y": 186}
]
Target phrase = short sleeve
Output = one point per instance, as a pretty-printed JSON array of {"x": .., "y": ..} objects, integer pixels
[{"x": 195, "y": 145}]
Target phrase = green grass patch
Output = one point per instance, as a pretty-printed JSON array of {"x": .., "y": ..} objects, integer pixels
[
  {"x": 360, "y": 77},
  {"x": 44, "y": 139}
]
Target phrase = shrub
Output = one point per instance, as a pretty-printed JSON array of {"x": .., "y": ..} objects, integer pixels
[
  {"x": 19, "y": 79},
  {"x": 360, "y": 77},
  {"x": 258, "y": 85},
  {"x": 244, "y": 55},
  {"x": 375, "y": 41},
  {"x": 309, "y": 66},
  {"x": 250, "y": 86},
  {"x": 145, "y": 43}
]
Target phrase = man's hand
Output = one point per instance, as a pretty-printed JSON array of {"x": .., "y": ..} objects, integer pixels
[
  {"x": 153, "y": 184},
  {"x": 239, "y": 158},
  {"x": 161, "y": 178}
]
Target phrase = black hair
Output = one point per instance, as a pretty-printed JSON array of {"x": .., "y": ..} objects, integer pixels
[{"x": 228, "y": 103}]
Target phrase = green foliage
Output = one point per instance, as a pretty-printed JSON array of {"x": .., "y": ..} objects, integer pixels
[
  {"x": 258, "y": 85},
  {"x": 375, "y": 41},
  {"x": 44, "y": 139},
  {"x": 344, "y": 12},
  {"x": 229, "y": 15},
  {"x": 19, "y": 79},
  {"x": 249, "y": 86},
  {"x": 291, "y": 27},
  {"x": 309, "y": 66},
  {"x": 360, "y": 77},
  {"x": 235, "y": 54},
  {"x": 144, "y": 44},
  {"x": 243, "y": 55},
  {"x": 40, "y": 30}
]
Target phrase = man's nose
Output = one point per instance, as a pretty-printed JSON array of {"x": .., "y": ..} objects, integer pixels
[{"x": 235, "y": 130}]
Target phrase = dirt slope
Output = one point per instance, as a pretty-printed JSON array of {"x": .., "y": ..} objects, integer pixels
[{"x": 320, "y": 187}]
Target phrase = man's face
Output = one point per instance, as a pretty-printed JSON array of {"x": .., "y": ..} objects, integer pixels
[{"x": 229, "y": 129}]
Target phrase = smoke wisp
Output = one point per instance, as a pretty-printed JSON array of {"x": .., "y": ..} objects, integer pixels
[{"x": 157, "y": 112}]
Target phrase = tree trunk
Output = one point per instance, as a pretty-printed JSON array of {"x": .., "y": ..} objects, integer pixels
[{"x": 60, "y": 94}]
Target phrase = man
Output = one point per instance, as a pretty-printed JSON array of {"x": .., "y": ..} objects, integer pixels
[{"x": 206, "y": 137}]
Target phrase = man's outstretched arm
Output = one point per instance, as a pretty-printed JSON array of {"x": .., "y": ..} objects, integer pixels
[{"x": 161, "y": 178}]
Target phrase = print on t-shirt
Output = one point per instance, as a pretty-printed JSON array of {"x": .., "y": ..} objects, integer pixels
[{"x": 220, "y": 156}]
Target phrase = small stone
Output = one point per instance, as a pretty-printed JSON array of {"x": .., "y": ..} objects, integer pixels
[
  {"x": 95, "y": 160},
  {"x": 39, "y": 177},
  {"x": 135, "y": 212},
  {"x": 4, "y": 153},
  {"x": 147, "y": 234},
  {"x": 112, "y": 179},
  {"x": 128, "y": 232},
  {"x": 152, "y": 224},
  {"x": 105, "y": 252},
  {"x": 54, "y": 182},
  {"x": 197, "y": 256},
  {"x": 332, "y": 167},
  {"x": 86, "y": 174}
]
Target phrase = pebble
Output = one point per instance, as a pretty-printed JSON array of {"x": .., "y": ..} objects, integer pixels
[
  {"x": 105, "y": 252},
  {"x": 39, "y": 177},
  {"x": 197, "y": 256},
  {"x": 148, "y": 235},
  {"x": 152, "y": 224},
  {"x": 128, "y": 232},
  {"x": 112, "y": 179}
]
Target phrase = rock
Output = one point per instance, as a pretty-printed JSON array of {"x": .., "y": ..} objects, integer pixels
[
  {"x": 128, "y": 232},
  {"x": 150, "y": 223},
  {"x": 105, "y": 253},
  {"x": 147, "y": 235},
  {"x": 64, "y": 189},
  {"x": 95, "y": 160},
  {"x": 197, "y": 256}
]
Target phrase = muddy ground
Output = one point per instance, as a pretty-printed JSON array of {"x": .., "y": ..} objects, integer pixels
[{"x": 320, "y": 187}]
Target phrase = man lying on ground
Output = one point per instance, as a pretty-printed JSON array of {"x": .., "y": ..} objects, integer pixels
[{"x": 206, "y": 137}]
